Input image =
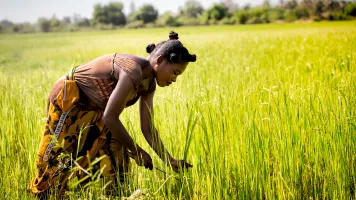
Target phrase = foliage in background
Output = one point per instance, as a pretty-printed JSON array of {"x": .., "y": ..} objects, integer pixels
[{"x": 111, "y": 16}]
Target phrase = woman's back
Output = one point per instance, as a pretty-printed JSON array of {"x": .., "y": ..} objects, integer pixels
[{"x": 98, "y": 78}]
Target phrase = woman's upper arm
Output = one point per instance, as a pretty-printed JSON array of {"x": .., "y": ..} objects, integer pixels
[
  {"x": 146, "y": 109},
  {"x": 118, "y": 98}
]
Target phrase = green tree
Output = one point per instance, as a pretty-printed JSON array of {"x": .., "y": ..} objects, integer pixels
[
  {"x": 109, "y": 14},
  {"x": 350, "y": 9},
  {"x": 6, "y": 24},
  {"x": 24, "y": 28},
  {"x": 54, "y": 23},
  {"x": 307, "y": 4},
  {"x": 241, "y": 16},
  {"x": 258, "y": 15},
  {"x": 80, "y": 21},
  {"x": 266, "y": 4},
  {"x": 275, "y": 13},
  {"x": 247, "y": 6},
  {"x": 216, "y": 12},
  {"x": 44, "y": 24},
  {"x": 167, "y": 19},
  {"x": 99, "y": 15},
  {"x": 289, "y": 15},
  {"x": 192, "y": 9},
  {"x": 66, "y": 20},
  {"x": 147, "y": 13},
  {"x": 301, "y": 13},
  {"x": 318, "y": 7},
  {"x": 16, "y": 28},
  {"x": 335, "y": 6},
  {"x": 328, "y": 5},
  {"x": 291, "y": 4}
]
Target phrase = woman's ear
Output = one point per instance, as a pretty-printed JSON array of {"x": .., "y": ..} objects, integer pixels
[{"x": 160, "y": 59}]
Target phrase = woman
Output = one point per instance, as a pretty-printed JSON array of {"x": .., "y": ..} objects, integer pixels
[{"x": 84, "y": 110}]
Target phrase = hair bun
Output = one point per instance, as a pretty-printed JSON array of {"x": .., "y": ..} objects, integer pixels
[
  {"x": 174, "y": 58},
  {"x": 173, "y": 35},
  {"x": 193, "y": 58},
  {"x": 150, "y": 48}
]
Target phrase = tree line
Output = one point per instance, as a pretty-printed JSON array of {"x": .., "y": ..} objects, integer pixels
[{"x": 111, "y": 15}]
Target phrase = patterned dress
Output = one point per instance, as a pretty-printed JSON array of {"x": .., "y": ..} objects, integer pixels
[{"x": 75, "y": 135}]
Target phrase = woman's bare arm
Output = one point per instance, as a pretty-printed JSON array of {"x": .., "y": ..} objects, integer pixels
[
  {"x": 115, "y": 106},
  {"x": 152, "y": 137},
  {"x": 148, "y": 129}
]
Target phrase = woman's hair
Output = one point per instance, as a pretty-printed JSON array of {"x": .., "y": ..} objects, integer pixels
[{"x": 171, "y": 49}]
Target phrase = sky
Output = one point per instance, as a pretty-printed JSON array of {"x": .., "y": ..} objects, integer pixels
[{"x": 19, "y": 11}]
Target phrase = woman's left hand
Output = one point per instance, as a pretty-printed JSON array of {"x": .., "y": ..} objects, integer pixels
[{"x": 178, "y": 165}]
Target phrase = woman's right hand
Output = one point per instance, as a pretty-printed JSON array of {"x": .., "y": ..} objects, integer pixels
[
  {"x": 142, "y": 158},
  {"x": 180, "y": 165}
]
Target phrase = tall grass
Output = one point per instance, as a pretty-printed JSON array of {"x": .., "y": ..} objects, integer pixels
[{"x": 266, "y": 112}]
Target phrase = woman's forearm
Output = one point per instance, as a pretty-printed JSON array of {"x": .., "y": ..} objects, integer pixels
[
  {"x": 153, "y": 139},
  {"x": 119, "y": 133}
]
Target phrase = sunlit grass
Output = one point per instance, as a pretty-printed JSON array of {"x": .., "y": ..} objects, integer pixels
[{"x": 266, "y": 112}]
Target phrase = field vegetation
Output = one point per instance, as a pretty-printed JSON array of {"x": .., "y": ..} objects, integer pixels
[{"x": 266, "y": 112}]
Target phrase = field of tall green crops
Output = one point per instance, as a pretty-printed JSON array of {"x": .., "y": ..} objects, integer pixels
[{"x": 266, "y": 112}]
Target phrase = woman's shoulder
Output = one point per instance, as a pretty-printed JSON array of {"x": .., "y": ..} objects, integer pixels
[
  {"x": 131, "y": 65},
  {"x": 142, "y": 62}
]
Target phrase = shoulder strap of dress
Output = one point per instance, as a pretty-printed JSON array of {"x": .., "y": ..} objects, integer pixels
[
  {"x": 113, "y": 69},
  {"x": 70, "y": 74},
  {"x": 131, "y": 67}
]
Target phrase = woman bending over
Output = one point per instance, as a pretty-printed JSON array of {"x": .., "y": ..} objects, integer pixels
[{"x": 84, "y": 110}]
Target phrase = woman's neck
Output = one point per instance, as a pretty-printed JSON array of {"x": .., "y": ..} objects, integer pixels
[{"x": 147, "y": 71}]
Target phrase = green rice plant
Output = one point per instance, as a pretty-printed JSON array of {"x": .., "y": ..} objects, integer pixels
[{"x": 266, "y": 112}]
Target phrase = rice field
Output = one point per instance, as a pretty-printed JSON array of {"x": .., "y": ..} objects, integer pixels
[{"x": 266, "y": 112}]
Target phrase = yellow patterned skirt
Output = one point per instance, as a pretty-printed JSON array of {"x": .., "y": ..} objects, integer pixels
[{"x": 74, "y": 136}]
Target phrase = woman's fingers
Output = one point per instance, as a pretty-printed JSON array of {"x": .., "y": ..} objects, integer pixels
[
  {"x": 183, "y": 163},
  {"x": 187, "y": 165},
  {"x": 180, "y": 164},
  {"x": 148, "y": 164},
  {"x": 142, "y": 158}
]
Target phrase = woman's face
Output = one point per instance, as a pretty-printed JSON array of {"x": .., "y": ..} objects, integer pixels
[{"x": 166, "y": 72}]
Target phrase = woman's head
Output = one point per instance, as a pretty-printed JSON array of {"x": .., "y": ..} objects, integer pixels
[{"x": 169, "y": 59}]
